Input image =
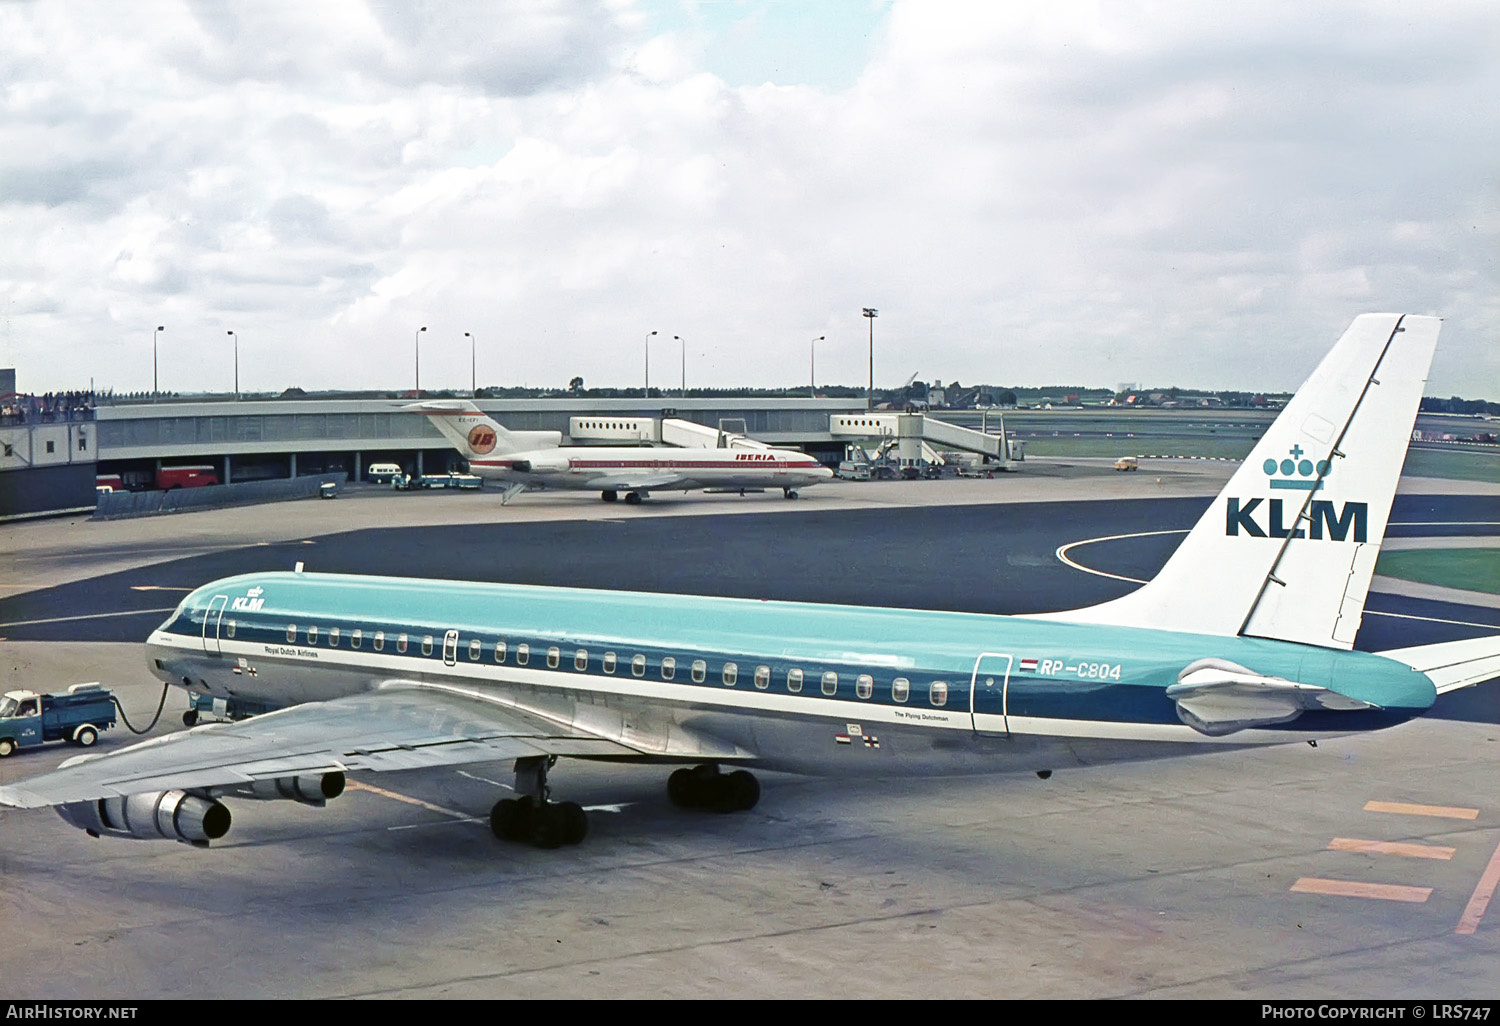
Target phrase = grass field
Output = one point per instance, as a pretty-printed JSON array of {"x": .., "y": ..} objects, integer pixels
[
  {"x": 1470, "y": 569},
  {"x": 1456, "y": 464}
]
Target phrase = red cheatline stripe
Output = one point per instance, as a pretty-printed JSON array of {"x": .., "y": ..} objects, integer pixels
[{"x": 1480, "y": 899}]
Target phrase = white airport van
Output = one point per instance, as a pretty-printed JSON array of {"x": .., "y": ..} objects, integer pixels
[{"x": 383, "y": 473}]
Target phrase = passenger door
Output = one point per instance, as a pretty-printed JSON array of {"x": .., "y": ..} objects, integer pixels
[{"x": 987, "y": 694}]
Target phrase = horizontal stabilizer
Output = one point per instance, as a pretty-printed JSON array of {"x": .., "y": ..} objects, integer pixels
[
  {"x": 1453, "y": 664},
  {"x": 1218, "y": 698}
]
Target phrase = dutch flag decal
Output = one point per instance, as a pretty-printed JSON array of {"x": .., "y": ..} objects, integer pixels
[{"x": 1028, "y": 664}]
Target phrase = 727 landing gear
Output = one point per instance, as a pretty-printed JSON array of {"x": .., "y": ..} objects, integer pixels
[
  {"x": 704, "y": 787},
  {"x": 609, "y": 495},
  {"x": 531, "y": 817},
  {"x": 790, "y": 493},
  {"x": 633, "y": 498}
]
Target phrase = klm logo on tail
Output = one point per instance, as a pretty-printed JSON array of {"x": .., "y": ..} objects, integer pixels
[{"x": 1303, "y": 475}]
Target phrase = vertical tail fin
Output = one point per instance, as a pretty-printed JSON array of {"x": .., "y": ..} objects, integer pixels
[
  {"x": 477, "y": 435},
  {"x": 1288, "y": 548}
]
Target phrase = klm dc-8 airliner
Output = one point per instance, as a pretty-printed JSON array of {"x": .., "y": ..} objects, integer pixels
[{"x": 1244, "y": 638}]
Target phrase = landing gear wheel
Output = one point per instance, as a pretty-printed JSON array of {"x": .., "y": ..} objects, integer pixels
[
  {"x": 511, "y": 818},
  {"x": 632, "y": 498},
  {"x": 681, "y": 790},
  {"x": 190, "y": 718},
  {"x": 547, "y": 827},
  {"x": 744, "y": 789},
  {"x": 575, "y": 822},
  {"x": 7, "y": 747},
  {"x": 790, "y": 493},
  {"x": 610, "y": 496},
  {"x": 85, "y": 736}
]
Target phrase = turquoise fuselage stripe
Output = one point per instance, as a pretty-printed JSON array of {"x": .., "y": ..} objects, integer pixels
[{"x": 1081, "y": 672}]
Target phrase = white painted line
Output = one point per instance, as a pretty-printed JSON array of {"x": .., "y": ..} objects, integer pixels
[
  {"x": 86, "y": 616},
  {"x": 1062, "y": 552}
]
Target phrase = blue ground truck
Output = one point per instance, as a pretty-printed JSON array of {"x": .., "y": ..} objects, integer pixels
[{"x": 76, "y": 715}]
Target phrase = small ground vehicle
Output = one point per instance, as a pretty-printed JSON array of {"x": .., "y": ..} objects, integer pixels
[
  {"x": 853, "y": 470},
  {"x": 168, "y": 478},
  {"x": 383, "y": 473},
  {"x": 1127, "y": 463},
  {"x": 78, "y": 715}
]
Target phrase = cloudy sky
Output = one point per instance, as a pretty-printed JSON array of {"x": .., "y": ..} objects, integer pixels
[{"x": 1053, "y": 192}]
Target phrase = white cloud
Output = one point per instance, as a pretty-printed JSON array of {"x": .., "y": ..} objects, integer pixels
[{"x": 1030, "y": 192}]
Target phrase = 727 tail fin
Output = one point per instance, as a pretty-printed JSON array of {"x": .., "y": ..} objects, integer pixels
[
  {"x": 475, "y": 434},
  {"x": 1288, "y": 548}
]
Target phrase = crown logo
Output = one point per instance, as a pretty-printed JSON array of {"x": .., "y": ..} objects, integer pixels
[
  {"x": 1297, "y": 472},
  {"x": 255, "y": 592}
]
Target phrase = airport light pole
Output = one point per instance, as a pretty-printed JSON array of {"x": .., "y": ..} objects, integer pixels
[
  {"x": 683, "y": 390},
  {"x": 158, "y": 331},
  {"x": 646, "y": 390},
  {"x": 871, "y": 313},
  {"x": 236, "y": 366},
  {"x": 812, "y": 366},
  {"x": 473, "y": 377},
  {"x": 416, "y": 344}
]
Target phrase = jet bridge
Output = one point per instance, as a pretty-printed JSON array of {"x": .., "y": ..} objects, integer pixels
[
  {"x": 674, "y": 431},
  {"x": 917, "y": 438}
]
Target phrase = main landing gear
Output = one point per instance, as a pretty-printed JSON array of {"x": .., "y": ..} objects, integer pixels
[
  {"x": 631, "y": 498},
  {"x": 790, "y": 493},
  {"x": 610, "y": 496},
  {"x": 704, "y": 787},
  {"x": 532, "y": 817}
]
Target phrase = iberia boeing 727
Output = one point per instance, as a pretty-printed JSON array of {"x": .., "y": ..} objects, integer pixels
[
  {"x": 1244, "y": 638},
  {"x": 536, "y": 459}
]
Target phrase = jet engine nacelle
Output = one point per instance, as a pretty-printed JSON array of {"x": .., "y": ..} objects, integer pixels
[
  {"x": 309, "y": 789},
  {"x": 174, "y": 815}
]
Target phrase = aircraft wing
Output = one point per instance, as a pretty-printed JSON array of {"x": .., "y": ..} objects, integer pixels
[
  {"x": 643, "y": 481},
  {"x": 402, "y": 725}
]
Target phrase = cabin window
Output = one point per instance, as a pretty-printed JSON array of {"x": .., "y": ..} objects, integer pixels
[
  {"x": 939, "y": 693},
  {"x": 356, "y": 638},
  {"x": 229, "y": 629},
  {"x": 731, "y": 674},
  {"x": 762, "y": 677},
  {"x": 476, "y": 649},
  {"x": 333, "y": 637},
  {"x": 401, "y": 643},
  {"x": 312, "y": 635},
  {"x": 427, "y": 644},
  {"x": 864, "y": 685},
  {"x": 291, "y": 632},
  {"x": 794, "y": 681},
  {"x": 700, "y": 671},
  {"x": 609, "y": 662},
  {"x": 638, "y": 665},
  {"x": 830, "y": 683},
  {"x": 379, "y": 641},
  {"x": 581, "y": 659},
  {"x": 900, "y": 689},
  {"x": 499, "y": 651},
  {"x": 523, "y": 654},
  {"x": 554, "y": 656},
  {"x": 668, "y": 668}
]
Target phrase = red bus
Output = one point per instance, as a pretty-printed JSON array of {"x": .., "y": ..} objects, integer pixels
[{"x": 168, "y": 478}]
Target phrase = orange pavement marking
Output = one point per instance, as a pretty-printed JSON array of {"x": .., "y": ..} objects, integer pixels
[
  {"x": 1480, "y": 899},
  {"x": 1411, "y": 851},
  {"x": 1352, "y": 889},
  {"x": 355, "y": 785},
  {"x": 1405, "y": 809}
]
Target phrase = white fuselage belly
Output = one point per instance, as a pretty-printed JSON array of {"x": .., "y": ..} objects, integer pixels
[{"x": 614, "y": 469}]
